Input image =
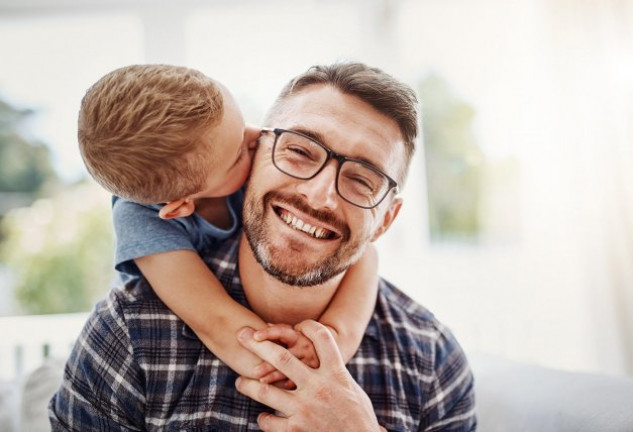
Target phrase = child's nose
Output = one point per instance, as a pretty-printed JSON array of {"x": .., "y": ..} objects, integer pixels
[{"x": 251, "y": 135}]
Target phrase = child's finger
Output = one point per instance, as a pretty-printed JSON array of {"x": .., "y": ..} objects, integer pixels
[
  {"x": 324, "y": 344},
  {"x": 278, "y": 332},
  {"x": 304, "y": 350},
  {"x": 307, "y": 357},
  {"x": 263, "y": 369},
  {"x": 272, "y": 377},
  {"x": 289, "y": 385}
]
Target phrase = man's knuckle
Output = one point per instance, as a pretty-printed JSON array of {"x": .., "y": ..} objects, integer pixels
[
  {"x": 263, "y": 391},
  {"x": 284, "y": 357},
  {"x": 323, "y": 334},
  {"x": 323, "y": 393},
  {"x": 341, "y": 376}
]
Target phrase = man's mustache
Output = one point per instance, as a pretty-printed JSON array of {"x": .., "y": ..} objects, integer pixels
[{"x": 325, "y": 216}]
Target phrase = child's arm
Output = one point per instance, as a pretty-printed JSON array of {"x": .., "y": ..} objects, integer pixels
[
  {"x": 349, "y": 312},
  {"x": 183, "y": 281}
]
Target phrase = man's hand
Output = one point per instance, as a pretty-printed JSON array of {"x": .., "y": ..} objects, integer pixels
[
  {"x": 299, "y": 346},
  {"x": 326, "y": 398}
]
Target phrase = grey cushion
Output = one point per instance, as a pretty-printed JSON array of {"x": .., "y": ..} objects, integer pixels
[
  {"x": 38, "y": 389},
  {"x": 517, "y": 397}
]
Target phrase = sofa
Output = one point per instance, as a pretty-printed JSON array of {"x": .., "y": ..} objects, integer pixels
[
  {"x": 519, "y": 397},
  {"x": 511, "y": 397}
]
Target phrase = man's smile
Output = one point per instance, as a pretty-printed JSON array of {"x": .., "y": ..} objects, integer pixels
[{"x": 292, "y": 220}]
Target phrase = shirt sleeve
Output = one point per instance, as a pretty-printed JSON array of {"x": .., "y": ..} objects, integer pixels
[
  {"x": 139, "y": 231},
  {"x": 102, "y": 385},
  {"x": 450, "y": 406}
]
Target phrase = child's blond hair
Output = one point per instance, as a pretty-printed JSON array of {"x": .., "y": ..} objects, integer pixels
[{"x": 141, "y": 130}]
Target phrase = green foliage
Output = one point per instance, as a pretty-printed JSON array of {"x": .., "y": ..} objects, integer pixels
[
  {"x": 24, "y": 165},
  {"x": 60, "y": 250},
  {"x": 453, "y": 163}
]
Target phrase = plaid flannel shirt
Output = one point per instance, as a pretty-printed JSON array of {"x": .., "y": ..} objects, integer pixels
[{"x": 137, "y": 366}]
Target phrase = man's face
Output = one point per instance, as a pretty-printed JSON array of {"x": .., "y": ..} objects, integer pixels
[{"x": 302, "y": 231}]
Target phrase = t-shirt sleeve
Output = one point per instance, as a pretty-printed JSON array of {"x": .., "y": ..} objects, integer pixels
[{"x": 139, "y": 231}]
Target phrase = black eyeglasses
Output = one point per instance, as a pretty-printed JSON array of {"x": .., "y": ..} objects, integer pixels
[{"x": 357, "y": 182}]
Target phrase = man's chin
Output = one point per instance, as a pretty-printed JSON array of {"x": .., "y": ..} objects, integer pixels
[{"x": 300, "y": 276}]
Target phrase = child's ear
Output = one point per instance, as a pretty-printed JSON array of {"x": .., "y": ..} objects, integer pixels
[{"x": 179, "y": 208}]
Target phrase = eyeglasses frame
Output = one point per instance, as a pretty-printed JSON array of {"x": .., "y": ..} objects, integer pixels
[{"x": 331, "y": 154}]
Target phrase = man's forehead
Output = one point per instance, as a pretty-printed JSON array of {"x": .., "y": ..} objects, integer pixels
[{"x": 345, "y": 123}]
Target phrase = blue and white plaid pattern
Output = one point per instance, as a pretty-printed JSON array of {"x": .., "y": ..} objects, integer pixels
[{"x": 136, "y": 366}]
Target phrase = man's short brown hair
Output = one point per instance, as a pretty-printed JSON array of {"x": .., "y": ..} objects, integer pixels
[
  {"x": 140, "y": 130},
  {"x": 384, "y": 93}
]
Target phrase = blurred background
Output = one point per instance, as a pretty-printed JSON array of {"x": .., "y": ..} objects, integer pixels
[{"x": 517, "y": 228}]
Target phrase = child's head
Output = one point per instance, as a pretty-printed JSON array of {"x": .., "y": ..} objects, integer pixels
[{"x": 159, "y": 133}]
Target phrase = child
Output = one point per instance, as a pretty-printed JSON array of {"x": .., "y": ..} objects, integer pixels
[{"x": 156, "y": 134}]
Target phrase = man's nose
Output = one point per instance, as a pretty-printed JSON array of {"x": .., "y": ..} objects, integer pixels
[{"x": 320, "y": 191}]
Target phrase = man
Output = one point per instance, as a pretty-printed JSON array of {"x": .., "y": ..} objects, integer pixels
[{"x": 341, "y": 142}]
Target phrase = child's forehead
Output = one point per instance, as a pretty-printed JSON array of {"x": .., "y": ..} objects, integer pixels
[
  {"x": 227, "y": 95},
  {"x": 224, "y": 133}
]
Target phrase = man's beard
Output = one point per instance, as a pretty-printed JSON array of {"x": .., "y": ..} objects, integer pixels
[{"x": 280, "y": 263}]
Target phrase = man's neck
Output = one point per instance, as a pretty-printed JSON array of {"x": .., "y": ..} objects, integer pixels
[
  {"x": 276, "y": 302},
  {"x": 214, "y": 211}
]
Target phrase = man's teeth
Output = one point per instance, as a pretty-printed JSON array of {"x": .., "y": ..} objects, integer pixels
[{"x": 300, "y": 225}]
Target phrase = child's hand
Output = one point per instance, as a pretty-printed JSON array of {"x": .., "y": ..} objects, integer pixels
[{"x": 299, "y": 345}]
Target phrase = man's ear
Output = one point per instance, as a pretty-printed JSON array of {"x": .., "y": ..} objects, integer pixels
[
  {"x": 179, "y": 208},
  {"x": 388, "y": 218}
]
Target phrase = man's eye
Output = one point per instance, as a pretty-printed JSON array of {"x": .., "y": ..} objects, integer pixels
[
  {"x": 299, "y": 151},
  {"x": 362, "y": 184}
]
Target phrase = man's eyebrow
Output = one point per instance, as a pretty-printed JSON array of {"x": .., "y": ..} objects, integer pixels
[
  {"x": 318, "y": 137},
  {"x": 311, "y": 134}
]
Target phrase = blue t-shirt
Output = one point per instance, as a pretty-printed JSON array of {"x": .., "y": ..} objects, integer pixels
[{"x": 139, "y": 231}]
